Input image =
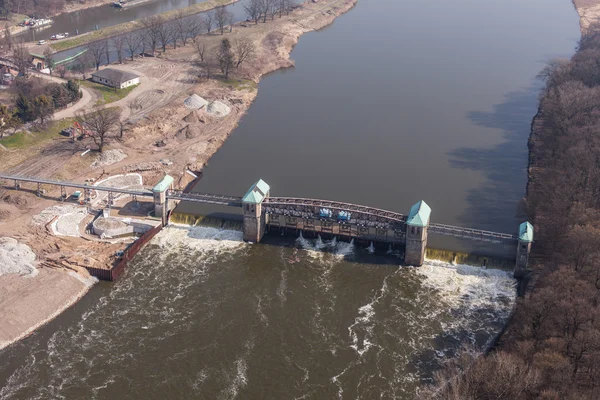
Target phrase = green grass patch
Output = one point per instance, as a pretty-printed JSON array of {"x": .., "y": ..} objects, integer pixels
[
  {"x": 240, "y": 84},
  {"x": 118, "y": 29},
  {"x": 22, "y": 140},
  {"x": 108, "y": 94}
]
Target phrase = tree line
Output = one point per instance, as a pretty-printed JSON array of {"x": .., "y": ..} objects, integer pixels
[
  {"x": 551, "y": 349},
  {"x": 157, "y": 33}
]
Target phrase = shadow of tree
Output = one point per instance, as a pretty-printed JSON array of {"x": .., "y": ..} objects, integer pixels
[{"x": 495, "y": 204}]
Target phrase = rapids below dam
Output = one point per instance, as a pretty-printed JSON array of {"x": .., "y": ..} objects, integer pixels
[{"x": 440, "y": 91}]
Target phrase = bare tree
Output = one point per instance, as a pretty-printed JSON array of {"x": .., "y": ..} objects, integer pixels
[
  {"x": 173, "y": 34},
  {"x": 164, "y": 35},
  {"x": 49, "y": 59},
  {"x": 96, "y": 51},
  {"x": 253, "y": 10},
  {"x": 21, "y": 58},
  {"x": 267, "y": 6},
  {"x": 179, "y": 28},
  {"x": 119, "y": 44},
  {"x": 101, "y": 124},
  {"x": 209, "y": 21},
  {"x": 133, "y": 42},
  {"x": 43, "y": 108},
  {"x": 244, "y": 50},
  {"x": 8, "y": 37},
  {"x": 107, "y": 51},
  {"x": 62, "y": 70},
  {"x": 200, "y": 48},
  {"x": 222, "y": 16},
  {"x": 154, "y": 28},
  {"x": 194, "y": 28}
]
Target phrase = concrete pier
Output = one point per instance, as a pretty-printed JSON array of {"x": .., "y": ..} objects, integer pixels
[
  {"x": 254, "y": 217},
  {"x": 523, "y": 249},
  {"x": 417, "y": 223},
  {"x": 161, "y": 203}
]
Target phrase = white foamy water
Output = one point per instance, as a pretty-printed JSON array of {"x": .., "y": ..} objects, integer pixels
[{"x": 200, "y": 310}]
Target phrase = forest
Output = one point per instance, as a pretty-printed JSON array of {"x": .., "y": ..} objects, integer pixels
[{"x": 551, "y": 348}]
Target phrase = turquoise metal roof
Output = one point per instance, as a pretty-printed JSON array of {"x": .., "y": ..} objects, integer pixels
[
  {"x": 257, "y": 192},
  {"x": 164, "y": 184},
  {"x": 526, "y": 232},
  {"x": 419, "y": 214}
]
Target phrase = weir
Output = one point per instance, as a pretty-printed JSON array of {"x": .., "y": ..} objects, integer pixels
[{"x": 262, "y": 213}]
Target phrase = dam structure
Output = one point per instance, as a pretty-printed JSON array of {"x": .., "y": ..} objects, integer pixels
[{"x": 262, "y": 213}]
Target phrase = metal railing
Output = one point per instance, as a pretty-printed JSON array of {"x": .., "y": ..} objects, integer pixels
[
  {"x": 468, "y": 233},
  {"x": 16, "y": 178},
  {"x": 206, "y": 198},
  {"x": 290, "y": 202}
]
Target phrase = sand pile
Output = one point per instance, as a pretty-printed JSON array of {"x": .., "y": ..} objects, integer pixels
[
  {"x": 194, "y": 117},
  {"x": 188, "y": 132},
  {"x": 195, "y": 102},
  {"x": 16, "y": 258},
  {"x": 218, "y": 109},
  {"x": 108, "y": 157}
]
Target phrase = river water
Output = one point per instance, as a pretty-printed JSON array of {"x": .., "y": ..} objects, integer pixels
[
  {"x": 396, "y": 101},
  {"x": 88, "y": 19}
]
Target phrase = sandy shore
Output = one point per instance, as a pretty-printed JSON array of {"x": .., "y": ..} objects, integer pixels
[
  {"x": 27, "y": 303},
  {"x": 155, "y": 113}
]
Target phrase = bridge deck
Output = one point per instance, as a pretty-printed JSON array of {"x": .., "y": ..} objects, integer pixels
[
  {"x": 369, "y": 216},
  {"x": 147, "y": 193},
  {"x": 206, "y": 198},
  {"x": 301, "y": 208}
]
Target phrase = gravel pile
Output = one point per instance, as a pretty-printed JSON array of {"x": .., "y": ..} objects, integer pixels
[
  {"x": 194, "y": 117},
  {"x": 47, "y": 214},
  {"x": 218, "y": 109},
  {"x": 16, "y": 258},
  {"x": 195, "y": 102},
  {"x": 108, "y": 157}
]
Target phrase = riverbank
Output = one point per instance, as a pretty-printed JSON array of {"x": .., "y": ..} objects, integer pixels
[
  {"x": 589, "y": 13},
  {"x": 550, "y": 344},
  {"x": 118, "y": 29},
  {"x": 156, "y": 110}
]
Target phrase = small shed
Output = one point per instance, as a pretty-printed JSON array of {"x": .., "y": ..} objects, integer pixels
[{"x": 116, "y": 78}]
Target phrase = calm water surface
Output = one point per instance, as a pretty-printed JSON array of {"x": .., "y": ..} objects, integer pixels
[
  {"x": 86, "y": 20},
  {"x": 396, "y": 101}
]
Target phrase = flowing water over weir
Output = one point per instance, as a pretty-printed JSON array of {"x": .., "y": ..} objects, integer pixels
[{"x": 200, "y": 314}]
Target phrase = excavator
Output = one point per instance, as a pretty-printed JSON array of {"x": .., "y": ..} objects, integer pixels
[{"x": 77, "y": 131}]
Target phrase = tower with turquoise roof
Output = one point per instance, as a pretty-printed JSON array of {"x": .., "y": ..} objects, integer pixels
[
  {"x": 254, "y": 218},
  {"x": 416, "y": 233}
]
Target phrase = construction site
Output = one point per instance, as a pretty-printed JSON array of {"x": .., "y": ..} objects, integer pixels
[{"x": 171, "y": 123}]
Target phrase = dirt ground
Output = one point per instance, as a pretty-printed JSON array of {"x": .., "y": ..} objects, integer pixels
[
  {"x": 153, "y": 114},
  {"x": 589, "y": 13}
]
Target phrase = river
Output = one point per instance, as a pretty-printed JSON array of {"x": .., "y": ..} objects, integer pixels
[
  {"x": 106, "y": 15},
  {"x": 395, "y": 102}
]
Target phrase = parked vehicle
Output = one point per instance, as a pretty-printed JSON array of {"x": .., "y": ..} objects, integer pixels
[{"x": 42, "y": 42}]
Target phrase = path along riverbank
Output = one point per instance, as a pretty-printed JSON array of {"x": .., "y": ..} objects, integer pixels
[
  {"x": 118, "y": 29},
  {"x": 168, "y": 81}
]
